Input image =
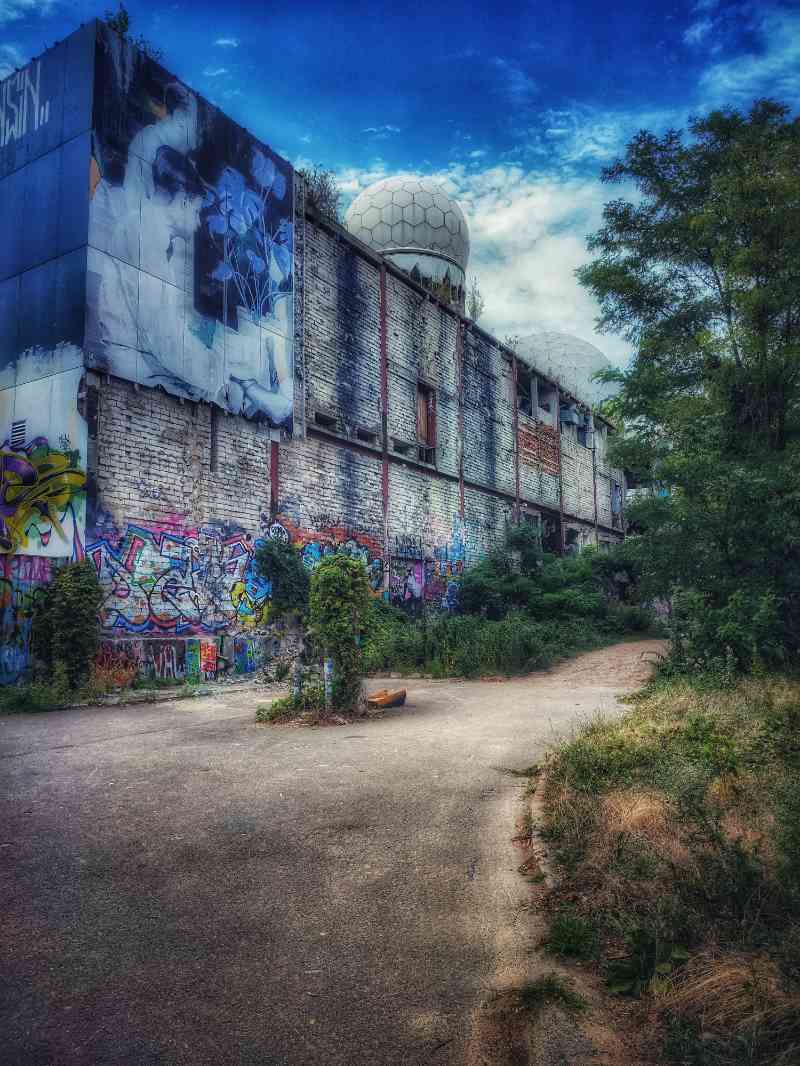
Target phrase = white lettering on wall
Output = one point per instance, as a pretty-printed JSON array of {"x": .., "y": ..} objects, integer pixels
[{"x": 21, "y": 108}]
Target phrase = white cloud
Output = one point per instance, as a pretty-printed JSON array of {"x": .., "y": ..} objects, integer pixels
[
  {"x": 515, "y": 83},
  {"x": 11, "y": 59},
  {"x": 477, "y": 153},
  {"x": 14, "y": 10},
  {"x": 306, "y": 138},
  {"x": 381, "y": 132},
  {"x": 773, "y": 70},
  {"x": 215, "y": 72},
  {"x": 227, "y": 42},
  {"x": 696, "y": 32}
]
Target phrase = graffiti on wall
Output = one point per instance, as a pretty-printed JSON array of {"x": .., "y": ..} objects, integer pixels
[
  {"x": 42, "y": 468},
  {"x": 21, "y": 105},
  {"x": 41, "y": 491},
  {"x": 315, "y": 545},
  {"x": 22, "y": 581},
  {"x": 165, "y": 579},
  {"x": 203, "y": 307}
]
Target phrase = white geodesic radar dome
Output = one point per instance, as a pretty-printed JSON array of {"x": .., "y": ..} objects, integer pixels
[
  {"x": 570, "y": 361},
  {"x": 412, "y": 220}
]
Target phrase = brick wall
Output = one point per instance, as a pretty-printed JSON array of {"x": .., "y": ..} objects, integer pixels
[{"x": 182, "y": 493}]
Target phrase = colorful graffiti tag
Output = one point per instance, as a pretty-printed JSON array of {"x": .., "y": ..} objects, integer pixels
[
  {"x": 22, "y": 581},
  {"x": 315, "y": 546},
  {"x": 163, "y": 579},
  {"x": 41, "y": 490}
]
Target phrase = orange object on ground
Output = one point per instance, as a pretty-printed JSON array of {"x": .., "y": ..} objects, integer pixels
[{"x": 387, "y": 698}]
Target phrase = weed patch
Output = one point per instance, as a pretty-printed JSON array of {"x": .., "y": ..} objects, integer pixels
[
  {"x": 678, "y": 830},
  {"x": 550, "y": 989}
]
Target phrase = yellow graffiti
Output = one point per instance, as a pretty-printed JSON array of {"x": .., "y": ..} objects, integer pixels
[
  {"x": 36, "y": 488},
  {"x": 249, "y": 611}
]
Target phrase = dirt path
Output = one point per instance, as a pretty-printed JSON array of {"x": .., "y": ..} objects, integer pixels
[{"x": 181, "y": 885}]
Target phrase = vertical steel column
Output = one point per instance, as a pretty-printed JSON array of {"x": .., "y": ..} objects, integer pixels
[{"x": 384, "y": 359}]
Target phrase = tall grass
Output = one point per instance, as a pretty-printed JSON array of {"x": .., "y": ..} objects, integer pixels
[{"x": 678, "y": 830}]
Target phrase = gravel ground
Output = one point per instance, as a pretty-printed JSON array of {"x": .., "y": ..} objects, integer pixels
[{"x": 182, "y": 885}]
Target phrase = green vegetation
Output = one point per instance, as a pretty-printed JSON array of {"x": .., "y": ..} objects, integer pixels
[
  {"x": 678, "y": 829},
  {"x": 338, "y": 607},
  {"x": 701, "y": 275},
  {"x": 551, "y": 988},
  {"x": 66, "y": 631},
  {"x": 282, "y": 565},
  {"x": 310, "y": 701},
  {"x": 522, "y": 609},
  {"x": 678, "y": 826}
]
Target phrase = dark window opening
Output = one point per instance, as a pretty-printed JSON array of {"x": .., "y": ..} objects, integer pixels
[
  {"x": 326, "y": 421},
  {"x": 545, "y": 402},
  {"x": 525, "y": 388},
  {"x": 367, "y": 435},
  {"x": 402, "y": 447},
  {"x": 426, "y": 423},
  {"x": 571, "y": 542}
]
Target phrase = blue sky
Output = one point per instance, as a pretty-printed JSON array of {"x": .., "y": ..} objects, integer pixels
[{"x": 514, "y": 107}]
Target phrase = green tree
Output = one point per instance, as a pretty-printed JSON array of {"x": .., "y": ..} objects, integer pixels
[
  {"x": 701, "y": 273},
  {"x": 338, "y": 607}
]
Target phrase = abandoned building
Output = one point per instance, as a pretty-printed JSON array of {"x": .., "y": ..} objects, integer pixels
[{"x": 191, "y": 359}]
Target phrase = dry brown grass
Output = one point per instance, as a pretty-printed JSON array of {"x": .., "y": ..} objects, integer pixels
[
  {"x": 647, "y": 817},
  {"x": 740, "y": 994}
]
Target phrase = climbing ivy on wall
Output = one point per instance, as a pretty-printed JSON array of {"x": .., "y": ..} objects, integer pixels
[
  {"x": 66, "y": 631},
  {"x": 281, "y": 564},
  {"x": 338, "y": 604}
]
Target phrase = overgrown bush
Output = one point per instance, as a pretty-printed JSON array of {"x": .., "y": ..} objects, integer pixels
[
  {"x": 520, "y": 610},
  {"x": 678, "y": 830},
  {"x": 281, "y": 564},
  {"x": 66, "y": 631},
  {"x": 339, "y": 602}
]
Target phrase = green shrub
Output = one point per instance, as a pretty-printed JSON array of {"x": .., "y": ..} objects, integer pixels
[
  {"x": 310, "y": 699},
  {"x": 281, "y": 564},
  {"x": 66, "y": 631},
  {"x": 339, "y": 603},
  {"x": 572, "y": 935}
]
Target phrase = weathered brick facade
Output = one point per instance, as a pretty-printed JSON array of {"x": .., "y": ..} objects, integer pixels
[
  {"x": 194, "y": 363},
  {"x": 196, "y": 481}
]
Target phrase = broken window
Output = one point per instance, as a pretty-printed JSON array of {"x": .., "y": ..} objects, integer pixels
[
  {"x": 546, "y": 402},
  {"x": 426, "y": 423},
  {"x": 526, "y": 385}
]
